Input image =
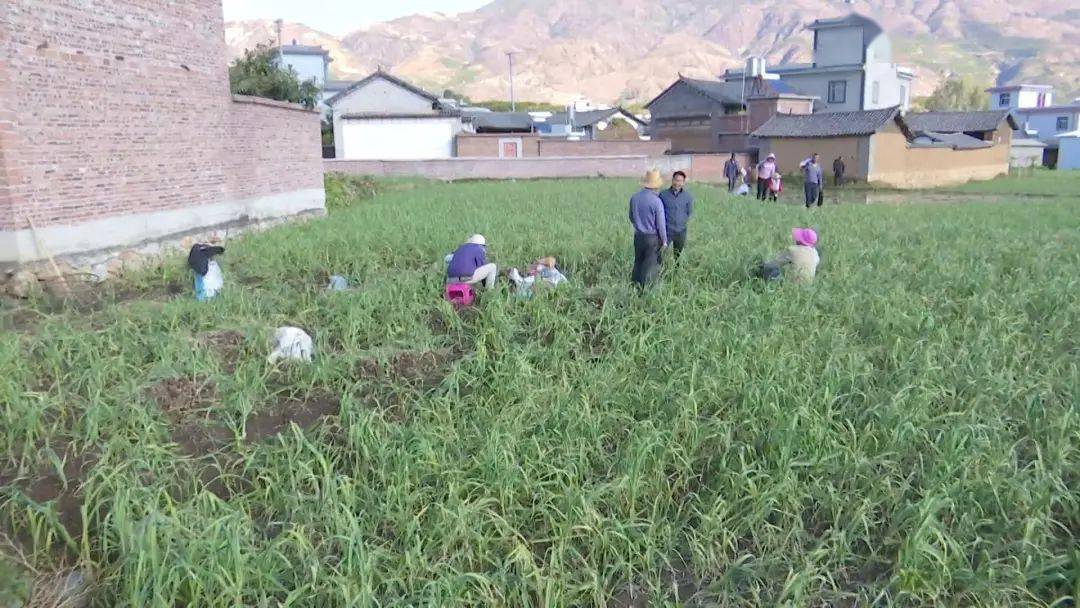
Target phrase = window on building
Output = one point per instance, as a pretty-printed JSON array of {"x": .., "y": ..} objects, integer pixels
[
  {"x": 875, "y": 93},
  {"x": 1062, "y": 123},
  {"x": 1004, "y": 100},
  {"x": 837, "y": 91}
]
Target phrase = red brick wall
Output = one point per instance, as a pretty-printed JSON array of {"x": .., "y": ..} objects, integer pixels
[
  {"x": 123, "y": 106},
  {"x": 486, "y": 145},
  {"x": 564, "y": 147},
  {"x": 497, "y": 168},
  {"x": 270, "y": 147}
]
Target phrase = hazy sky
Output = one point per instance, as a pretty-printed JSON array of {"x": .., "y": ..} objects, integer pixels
[{"x": 340, "y": 16}]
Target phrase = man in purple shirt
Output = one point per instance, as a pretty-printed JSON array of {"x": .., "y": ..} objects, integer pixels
[
  {"x": 650, "y": 228},
  {"x": 468, "y": 264}
]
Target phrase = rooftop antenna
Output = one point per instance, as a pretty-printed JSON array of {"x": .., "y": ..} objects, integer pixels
[
  {"x": 278, "y": 23},
  {"x": 510, "y": 61}
]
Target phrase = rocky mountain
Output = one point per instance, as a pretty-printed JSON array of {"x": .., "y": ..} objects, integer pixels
[{"x": 628, "y": 50}]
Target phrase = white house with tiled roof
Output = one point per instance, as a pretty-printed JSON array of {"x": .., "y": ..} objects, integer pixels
[{"x": 383, "y": 117}]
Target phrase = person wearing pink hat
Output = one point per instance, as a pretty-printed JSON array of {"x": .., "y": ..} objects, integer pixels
[{"x": 802, "y": 258}]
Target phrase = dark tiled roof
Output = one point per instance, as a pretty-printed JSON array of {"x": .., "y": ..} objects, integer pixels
[
  {"x": 499, "y": 121},
  {"x": 956, "y": 122},
  {"x": 380, "y": 115},
  {"x": 957, "y": 141},
  {"x": 1068, "y": 108},
  {"x": 337, "y": 85},
  {"x": 386, "y": 76},
  {"x": 1016, "y": 87},
  {"x": 590, "y": 117},
  {"x": 729, "y": 93},
  {"x": 300, "y": 49},
  {"x": 827, "y": 124},
  {"x": 849, "y": 20}
]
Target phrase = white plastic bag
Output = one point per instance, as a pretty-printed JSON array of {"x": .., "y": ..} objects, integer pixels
[{"x": 291, "y": 344}]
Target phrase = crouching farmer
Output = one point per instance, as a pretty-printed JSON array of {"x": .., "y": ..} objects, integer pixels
[
  {"x": 796, "y": 263},
  {"x": 468, "y": 264}
]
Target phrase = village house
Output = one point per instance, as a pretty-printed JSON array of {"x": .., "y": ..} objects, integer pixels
[
  {"x": 312, "y": 63},
  {"x": 852, "y": 68},
  {"x": 384, "y": 117},
  {"x": 1033, "y": 109},
  {"x": 881, "y": 146},
  {"x": 706, "y": 116},
  {"x": 590, "y": 125},
  {"x": 118, "y": 134}
]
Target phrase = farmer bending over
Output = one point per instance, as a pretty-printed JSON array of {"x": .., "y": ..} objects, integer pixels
[
  {"x": 468, "y": 264},
  {"x": 542, "y": 272},
  {"x": 802, "y": 258}
]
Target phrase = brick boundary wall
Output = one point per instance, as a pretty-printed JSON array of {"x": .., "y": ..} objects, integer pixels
[
  {"x": 495, "y": 168},
  {"x": 699, "y": 167},
  {"x": 564, "y": 147},
  {"x": 486, "y": 145},
  {"x": 117, "y": 129}
]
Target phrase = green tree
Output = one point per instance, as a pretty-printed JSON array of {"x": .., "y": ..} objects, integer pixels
[
  {"x": 258, "y": 73},
  {"x": 452, "y": 94},
  {"x": 328, "y": 130},
  {"x": 955, "y": 94}
]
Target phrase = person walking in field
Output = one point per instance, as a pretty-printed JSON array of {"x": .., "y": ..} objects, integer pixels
[
  {"x": 678, "y": 207},
  {"x": 650, "y": 228},
  {"x": 812, "y": 178},
  {"x": 468, "y": 264},
  {"x": 765, "y": 170},
  {"x": 732, "y": 172},
  {"x": 838, "y": 171}
]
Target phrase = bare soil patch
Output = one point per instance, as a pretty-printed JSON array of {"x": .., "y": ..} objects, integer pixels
[
  {"x": 419, "y": 369},
  {"x": 225, "y": 344},
  {"x": 304, "y": 413},
  {"x": 184, "y": 396},
  {"x": 63, "y": 487}
]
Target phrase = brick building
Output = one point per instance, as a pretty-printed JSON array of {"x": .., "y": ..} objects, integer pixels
[{"x": 117, "y": 128}]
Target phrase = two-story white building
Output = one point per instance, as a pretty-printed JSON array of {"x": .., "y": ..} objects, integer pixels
[
  {"x": 1032, "y": 107},
  {"x": 311, "y": 63},
  {"x": 852, "y": 69}
]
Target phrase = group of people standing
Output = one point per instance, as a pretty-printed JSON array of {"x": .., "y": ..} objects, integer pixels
[
  {"x": 770, "y": 182},
  {"x": 660, "y": 218}
]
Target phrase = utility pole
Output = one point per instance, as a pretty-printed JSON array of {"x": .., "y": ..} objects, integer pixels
[
  {"x": 510, "y": 60},
  {"x": 279, "y": 23}
]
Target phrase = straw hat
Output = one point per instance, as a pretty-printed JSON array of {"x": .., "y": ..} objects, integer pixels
[
  {"x": 652, "y": 179},
  {"x": 549, "y": 261},
  {"x": 804, "y": 236},
  {"x": 478, "y": 239},
  {"x": 771, "y": 155}
]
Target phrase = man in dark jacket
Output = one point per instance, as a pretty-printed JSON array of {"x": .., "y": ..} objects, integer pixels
[
  {"x": 731, "y": 172},
  {"x": 678, "y": 207},
  {"x": 838, "y": 171}
]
